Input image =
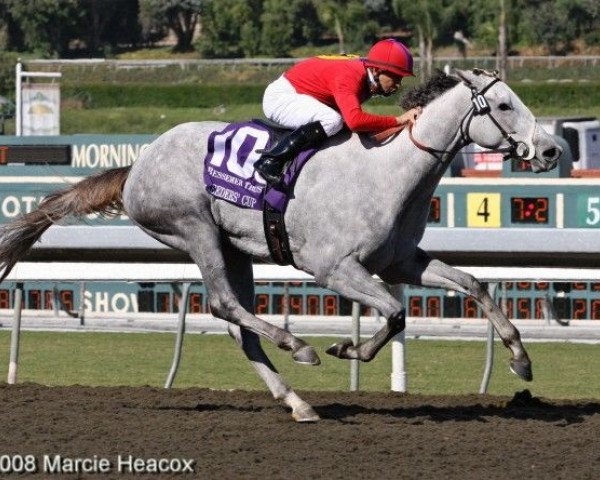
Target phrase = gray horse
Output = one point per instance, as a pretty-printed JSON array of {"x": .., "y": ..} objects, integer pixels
[{"x": 359, "y": 209}]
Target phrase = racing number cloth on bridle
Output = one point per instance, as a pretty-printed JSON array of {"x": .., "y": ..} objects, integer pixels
[{"x": 229, "y": 175}]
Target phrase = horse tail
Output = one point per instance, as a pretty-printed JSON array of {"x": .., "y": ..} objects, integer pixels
[{"x": 99, "y": 193}]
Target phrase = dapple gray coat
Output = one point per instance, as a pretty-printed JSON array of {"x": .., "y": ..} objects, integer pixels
[{"x": 359, "y": 209}]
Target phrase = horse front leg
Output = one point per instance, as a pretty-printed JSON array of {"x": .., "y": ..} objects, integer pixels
[
  {"x": 354, "y": 282},
  {"x": 239, "y": 273},
  {"x": 250, "y": 343},
  {"x": 429, "y": 272}
]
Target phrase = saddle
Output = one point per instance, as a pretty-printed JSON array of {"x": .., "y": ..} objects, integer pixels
[
  {"x": 276, "y": 129},
  {"x": 229, "y": 175}
]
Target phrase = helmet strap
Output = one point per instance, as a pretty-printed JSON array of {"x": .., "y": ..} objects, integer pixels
[{"x": 374, "y": 85}]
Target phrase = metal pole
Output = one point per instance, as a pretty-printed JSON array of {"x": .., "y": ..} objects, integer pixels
[
  {"x": 82, "y": 304},
  {"x": 354, "y": 364},
  {"x": 183, "y": 301},
  {"x": 489, "y": 357},
  {"x": 550, "y": 313},
  {"x": 286, "y": 306},
  {"x": 18, "y": 100},
  {"x": 55, "y": 300},
  {"x": 15, "y": 337},
  {"x": 398, "y": 375}
]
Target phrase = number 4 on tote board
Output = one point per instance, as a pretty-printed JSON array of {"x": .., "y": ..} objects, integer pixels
[{"x": 483, "y": 210}]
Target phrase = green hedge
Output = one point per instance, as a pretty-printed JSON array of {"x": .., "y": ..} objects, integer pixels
[
  {"x": 171, "y": 96},
  {"x": 568, "y": 95},
  {"x": 559, "y": 95},
  {"x": 537, "y": 95}
]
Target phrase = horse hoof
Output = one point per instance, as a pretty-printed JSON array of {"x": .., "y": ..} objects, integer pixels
[
  {"x": 306, "y": 356},
  {"x": 522, "y": 369},
  {"x": 339, "y": 349},
  {"x": 397, "y": 324},
  {"x": 305, "y": 414}
]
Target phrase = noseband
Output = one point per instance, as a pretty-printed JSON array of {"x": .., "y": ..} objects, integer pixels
[{"x": 479, "y": 107}]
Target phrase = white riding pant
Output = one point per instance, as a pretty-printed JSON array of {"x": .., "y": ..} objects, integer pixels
[{"x": 282, "y": 104}]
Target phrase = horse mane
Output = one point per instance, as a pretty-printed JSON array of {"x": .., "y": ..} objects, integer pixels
[
  {"x": 425, "y": 93},
  {"x": 435, "y": 86}
]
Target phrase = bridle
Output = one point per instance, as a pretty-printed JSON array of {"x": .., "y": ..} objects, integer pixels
[{"x": 479, "y": 107}]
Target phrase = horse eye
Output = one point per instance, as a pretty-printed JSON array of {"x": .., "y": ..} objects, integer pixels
[{"x": 504, "y": 107}]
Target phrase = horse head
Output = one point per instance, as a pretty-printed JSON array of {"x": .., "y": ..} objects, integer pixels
[{"x": 500, "y": 121}]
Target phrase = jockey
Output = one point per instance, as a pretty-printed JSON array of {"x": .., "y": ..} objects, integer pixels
[{"x": 317, "y": 96}]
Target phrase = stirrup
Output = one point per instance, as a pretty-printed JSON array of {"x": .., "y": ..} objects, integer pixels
[{"x": 272, "y": 179}]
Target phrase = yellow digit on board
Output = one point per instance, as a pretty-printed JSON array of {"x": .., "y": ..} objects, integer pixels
[{"x": 483, "y": 210}]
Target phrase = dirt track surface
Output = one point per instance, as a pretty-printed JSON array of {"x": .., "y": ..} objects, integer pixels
[{"x": 248, "y": 435}]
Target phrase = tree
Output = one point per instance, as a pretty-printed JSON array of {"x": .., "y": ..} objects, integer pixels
[
  {"x": 589, "y": 21},
  {"x": 152, "y": 21},
  {"x": 485, "y": 18},
  {"x": 426, "y": 17},
  {"x": 11, "y": 37},
  {"x": 277, "y": 28},
  {"x": 47, "y": 25},
  {"x": 306, "y": 26},
  {"x": 230, "y": 28},
  {"x": 502, "y": 55},
  {"x": 97, "y": 17},
  {"x": 105, "y": 24},
  {"x": 350, "y": 22},
  {"x": 556, "y": 36},
  {"x": 181, "y": 16}
]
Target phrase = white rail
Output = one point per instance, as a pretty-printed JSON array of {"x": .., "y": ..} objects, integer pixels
[{"x": 188, "y": 273}]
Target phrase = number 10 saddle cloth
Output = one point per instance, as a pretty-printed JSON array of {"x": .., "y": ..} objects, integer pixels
[{"x": 229, "y": 175}]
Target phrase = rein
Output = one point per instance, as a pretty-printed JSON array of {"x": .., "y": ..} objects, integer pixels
[
  {"x": 387, "y": 133},
  {"x": 480, "y": 106}
]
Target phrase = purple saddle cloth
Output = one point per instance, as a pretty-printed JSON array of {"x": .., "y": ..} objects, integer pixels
[{"x": 229, "y": 167}]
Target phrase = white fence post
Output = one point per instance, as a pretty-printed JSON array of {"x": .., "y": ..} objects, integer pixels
[
  {"x": 398, "y": 376},
  {"x": 354, "y": 364},
  {"x": 15, "y": 337}
]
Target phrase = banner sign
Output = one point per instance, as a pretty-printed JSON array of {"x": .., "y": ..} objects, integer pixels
[{"x": 40, "y": 108}]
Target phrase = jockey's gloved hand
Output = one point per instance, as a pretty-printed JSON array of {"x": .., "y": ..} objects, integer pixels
[{"x": 410, "y": 116}]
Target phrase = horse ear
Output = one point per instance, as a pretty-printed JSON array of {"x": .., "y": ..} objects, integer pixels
[
  {"x": 462, "y": 76},
  {"x": 481, "y": 71}
]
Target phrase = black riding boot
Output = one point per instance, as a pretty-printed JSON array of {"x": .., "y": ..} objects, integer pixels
[{"x": 271, "y": 164}]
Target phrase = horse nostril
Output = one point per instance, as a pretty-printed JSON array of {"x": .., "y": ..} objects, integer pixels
[{"x": 550, "y": 153}]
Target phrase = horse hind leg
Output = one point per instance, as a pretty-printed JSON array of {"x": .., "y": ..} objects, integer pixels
[
  {"x": 352, "y": 280},
  {"x": 205, "y": 245},
  {"x": 433, "y": 273}
]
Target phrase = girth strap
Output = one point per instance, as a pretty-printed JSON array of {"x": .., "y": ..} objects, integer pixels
[{"x": 276, "y": 235}]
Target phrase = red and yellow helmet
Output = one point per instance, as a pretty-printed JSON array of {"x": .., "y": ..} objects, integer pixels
[{"x": 391, "y": 55}]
